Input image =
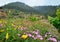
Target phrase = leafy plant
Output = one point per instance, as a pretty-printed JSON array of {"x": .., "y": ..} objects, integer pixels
[
  {"x": 33, "y": 18},
  {"x": 56, "y": 20}
]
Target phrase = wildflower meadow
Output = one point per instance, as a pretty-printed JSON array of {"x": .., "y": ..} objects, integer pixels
[{"x": 26, "y": 30}]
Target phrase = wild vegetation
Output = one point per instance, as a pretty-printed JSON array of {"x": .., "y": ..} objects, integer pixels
[
  {"x": 56, "y": 20},
  {"x": 23, "y": 26},
  {"x": 42, "y": 10}
]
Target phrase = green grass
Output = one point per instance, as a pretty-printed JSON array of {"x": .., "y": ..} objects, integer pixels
[{"x": 42, "y": 25}]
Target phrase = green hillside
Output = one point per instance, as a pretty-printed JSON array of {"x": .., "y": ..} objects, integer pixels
[
  {"x": 43, "y": 10},
  {"x": 46, "y": 10},
  {"x": 20, "y": 6}
]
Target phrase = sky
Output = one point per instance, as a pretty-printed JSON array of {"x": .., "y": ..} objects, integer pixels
[{"x": 32, "y": 2}]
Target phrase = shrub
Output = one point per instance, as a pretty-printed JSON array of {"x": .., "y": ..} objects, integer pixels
[
  {"x": 32, "y": 18},
  {"x": 56, "y": 20}
]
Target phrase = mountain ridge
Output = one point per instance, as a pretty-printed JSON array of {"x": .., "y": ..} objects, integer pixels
[
  {"x": 19, "y": 6},
  {"x": 43, "y": 10}
]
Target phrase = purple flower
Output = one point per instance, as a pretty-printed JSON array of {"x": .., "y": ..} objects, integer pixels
[
  {"x": 35, "y": 32},
  {"x": 29, "y": 35},
  {"x": 32, "y": 36},
  {"x": 38, "y": 36},
  {"x": 52, "y": 39},
  {"x": 41, "y": 38}
]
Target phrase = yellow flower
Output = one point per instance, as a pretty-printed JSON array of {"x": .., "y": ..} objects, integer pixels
[
  {"x": 24, "y": 36},
  {"x": 12, "y": 24},
  {"x": 7, "y": 36},
  {"x": 0, "y": 21},
  {"x": 2, "y": 30}
]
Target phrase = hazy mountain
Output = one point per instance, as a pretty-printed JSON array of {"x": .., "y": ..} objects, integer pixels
[
  {"x": 20, "y": 6},
  {"x": 46, "y": 10}
]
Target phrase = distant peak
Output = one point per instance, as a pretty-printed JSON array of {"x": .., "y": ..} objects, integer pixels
[{"x": 18, "y": 2}]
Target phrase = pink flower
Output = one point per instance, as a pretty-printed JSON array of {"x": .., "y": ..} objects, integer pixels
[
  {"x": 52, "y": 39},
  {"x": 32, "y": 36},
  {"x": 38, "y": 36},
  {"x": 41, "y": 38},
  {"x": 18, "y": 35},
  {"x": 35, "y": 32},
  {"x": 29, "y": 35}
]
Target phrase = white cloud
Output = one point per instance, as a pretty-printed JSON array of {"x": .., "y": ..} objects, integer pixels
[{"x": 33, "y": 2}]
